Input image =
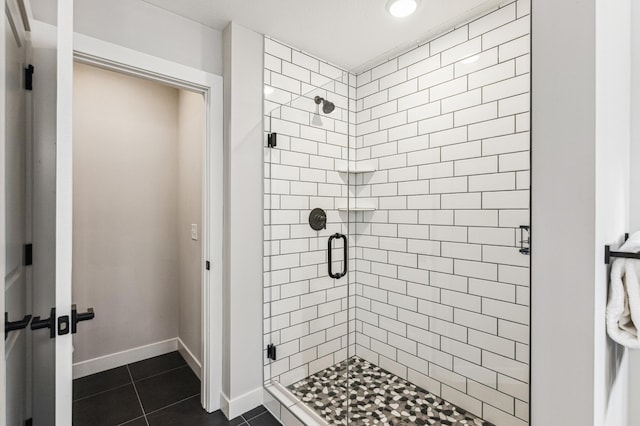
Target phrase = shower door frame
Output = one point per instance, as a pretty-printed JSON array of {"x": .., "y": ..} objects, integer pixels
[{"x": 91, "y": 51}]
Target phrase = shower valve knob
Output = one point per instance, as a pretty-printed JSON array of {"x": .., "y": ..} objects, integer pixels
[{"x": 318, "y": 219}]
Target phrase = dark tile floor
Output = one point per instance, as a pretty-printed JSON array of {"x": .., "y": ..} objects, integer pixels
[{"x": 159, "y": 391}]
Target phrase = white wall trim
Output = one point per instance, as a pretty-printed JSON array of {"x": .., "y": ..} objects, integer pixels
[
  {"x": 111, "y": 56},
  {"x": 64, "y": 209},
  {"x": 240, "y": 405},
  {"x": 118, "y": 359},
  {"x": 191, "y": 359}
]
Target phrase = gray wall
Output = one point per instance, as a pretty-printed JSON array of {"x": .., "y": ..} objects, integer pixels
[
  {"x": 191, "y": 135},
  {"x": 125, "y": 256},
  {"x": 580, "y": 152},
  {"x": 143, "y": 27},
  {"x": 137, "y": 190},
  {"x": 242, "y": 315},
  {"x": 563, "y": 216}
]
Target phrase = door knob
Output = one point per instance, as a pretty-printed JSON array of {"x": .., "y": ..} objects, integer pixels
[
  {"x": 49, "y": 323},
  {"x": 14, "y": 325},
  {"x": 76, "y": 317}
]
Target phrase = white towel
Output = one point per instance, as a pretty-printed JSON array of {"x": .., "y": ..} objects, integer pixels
[{"x": 623, "y": 309}]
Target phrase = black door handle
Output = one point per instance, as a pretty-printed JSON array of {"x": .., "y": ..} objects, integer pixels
[
  {"x": 49, "y": 323},
  {"x": 76, "y": 317},
  {"x": 346, "y": 258},
  {"x": 14, "y": 325}
]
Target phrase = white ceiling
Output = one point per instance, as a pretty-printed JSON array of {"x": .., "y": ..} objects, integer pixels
[{"x": 353, "y": 34}]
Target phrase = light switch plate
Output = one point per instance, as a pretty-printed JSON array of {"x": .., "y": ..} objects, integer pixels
[{"x": 194, "y": 232}]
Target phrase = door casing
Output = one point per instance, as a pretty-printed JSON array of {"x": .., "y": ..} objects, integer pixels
[{"x": 116, "y": 58}]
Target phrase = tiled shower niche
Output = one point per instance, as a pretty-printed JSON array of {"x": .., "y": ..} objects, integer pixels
[{"x": 436, "y": 142}]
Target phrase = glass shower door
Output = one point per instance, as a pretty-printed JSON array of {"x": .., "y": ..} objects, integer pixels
[{"x": 307, "y": 235}]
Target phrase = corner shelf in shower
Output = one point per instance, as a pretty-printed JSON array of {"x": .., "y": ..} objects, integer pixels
[
  {"x": 356, "y": 209},
  {"x": 357, "y": 170}
]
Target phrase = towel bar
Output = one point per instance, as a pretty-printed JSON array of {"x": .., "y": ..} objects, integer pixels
[{"x": 608, "y": 254}]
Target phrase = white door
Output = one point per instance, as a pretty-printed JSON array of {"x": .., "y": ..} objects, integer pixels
[
  {"x": 15, "y": 221},
  {"x": 52, "y": 56}
]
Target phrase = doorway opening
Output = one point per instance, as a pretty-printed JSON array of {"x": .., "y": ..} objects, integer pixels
[{"x": 138, "y": 244}]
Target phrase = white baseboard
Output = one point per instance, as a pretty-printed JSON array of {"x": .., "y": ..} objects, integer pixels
[
  {"x": 107, "y": 362},
  {"x": 232, "y": 408},
  {"x": 192, "y": 361}
]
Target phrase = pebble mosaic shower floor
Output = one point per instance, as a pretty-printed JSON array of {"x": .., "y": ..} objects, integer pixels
[{"x": 376, "y": 397}]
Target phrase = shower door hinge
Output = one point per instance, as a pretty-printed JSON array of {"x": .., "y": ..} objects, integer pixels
[
  {"x": 28, "y": 77},
  {"x": 525, "y": 241},
  {"x": 207, "y": 265},
  {"x": 272, "y": 140},
  {"x": 28, "y": 254},
  {"x": 271, "y": 351}
]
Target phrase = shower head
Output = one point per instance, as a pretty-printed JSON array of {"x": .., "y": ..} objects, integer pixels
[{"x": 327, "y": 107}]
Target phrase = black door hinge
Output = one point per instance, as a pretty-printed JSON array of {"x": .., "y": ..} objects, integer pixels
[
  {"x": 28, "y": 422},
  {"x": 207, "y": 265},
  {"x": 28, "y": 77},
  {"x": 28, "y": 254},
  {"x": 272, "y": 140},
  {"x": 271, "y": 351}
]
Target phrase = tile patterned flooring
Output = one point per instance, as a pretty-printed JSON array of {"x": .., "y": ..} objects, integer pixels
[
  {"x": 376, "y": 397},
  {"x": 159, "y": 391}
]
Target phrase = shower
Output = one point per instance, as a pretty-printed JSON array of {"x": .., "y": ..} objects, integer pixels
[
  {"x": 327, "y": 107},
  {"x": 395, "y": 289}
]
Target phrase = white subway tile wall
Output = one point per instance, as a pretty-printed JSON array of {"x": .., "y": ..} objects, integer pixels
[{"x": 441, "y": 290}]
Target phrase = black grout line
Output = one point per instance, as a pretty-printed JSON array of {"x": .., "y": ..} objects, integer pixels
[
  {"x": 159, "y": 374},
  {"x": 138, "y": 396},
  {"x": 254, "y": 417},
  {"x": 174, "y": 403},
  {"x": 101, "y": 392},
  {"x": 129, "y": 421}
]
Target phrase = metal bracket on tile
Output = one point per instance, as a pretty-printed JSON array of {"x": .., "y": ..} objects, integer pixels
[
  {"x": 271, "y": 351},
  {"x": 525, "y": 243},
  {"x": 272, "y": 140}
]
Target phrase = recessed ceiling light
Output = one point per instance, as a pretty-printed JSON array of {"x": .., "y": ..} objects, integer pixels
[{"x": 402, "y": 8}]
